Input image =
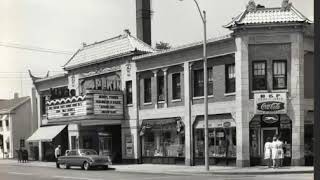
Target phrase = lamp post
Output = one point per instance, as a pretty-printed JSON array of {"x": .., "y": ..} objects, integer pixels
[{"x": 205, "y": 79}]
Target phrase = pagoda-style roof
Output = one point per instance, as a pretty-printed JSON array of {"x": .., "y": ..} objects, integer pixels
[
  {"x": 119, "y": 46},
  {"x": 259, "y": 14}
]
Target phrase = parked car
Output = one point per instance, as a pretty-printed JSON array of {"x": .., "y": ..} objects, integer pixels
[{"x": 85, "y": 158}]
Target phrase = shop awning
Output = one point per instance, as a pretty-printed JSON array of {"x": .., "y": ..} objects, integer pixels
[
  {"x": 216, "y": 121},
  {"x": 46, "y": 133}
]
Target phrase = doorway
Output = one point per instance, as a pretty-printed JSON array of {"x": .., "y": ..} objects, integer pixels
[
  {"x": 105, "y": 144},
  {"x": 265, "y": 133}
]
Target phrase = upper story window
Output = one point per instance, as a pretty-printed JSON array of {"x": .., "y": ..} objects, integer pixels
[
  {"x": 230, "y": 78},
  {"x": 176, "y": 86},
  {"x": 147, "y": 90},
  {"x": 199, "y": 82},
  {"x": 160, "y": 88},
  {"x": 259, "y": 79},
  {"x": 129, "y": 92},
  {"x": 7, "y": 123},
  {"x": 279, "y": 77},
  {"x": 43, "y": 105}
]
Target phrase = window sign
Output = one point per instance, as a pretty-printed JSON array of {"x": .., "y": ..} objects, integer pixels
[{"x": 129, "y": 145}]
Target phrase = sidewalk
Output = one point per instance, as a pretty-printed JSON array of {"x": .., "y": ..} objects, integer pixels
[{"x": 181, "y": 169}]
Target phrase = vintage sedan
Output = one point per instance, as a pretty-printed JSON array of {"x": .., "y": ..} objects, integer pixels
[{"x": 85, "y": 158}]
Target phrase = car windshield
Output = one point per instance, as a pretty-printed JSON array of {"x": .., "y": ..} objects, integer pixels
[{"x": 88, "y": 152}]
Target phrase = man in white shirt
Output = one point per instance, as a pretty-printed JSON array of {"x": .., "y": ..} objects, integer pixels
[{"x": 57, "y": 152}]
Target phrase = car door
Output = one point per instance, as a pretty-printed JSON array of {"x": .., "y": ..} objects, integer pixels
[{"x": 71, "y": 158}]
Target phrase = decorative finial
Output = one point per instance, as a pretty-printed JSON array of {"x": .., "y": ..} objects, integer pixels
[
  {"x": 286, "y": 5},
  {"x": 127, "y": 31},
  {"x": 251, "y": 7}
]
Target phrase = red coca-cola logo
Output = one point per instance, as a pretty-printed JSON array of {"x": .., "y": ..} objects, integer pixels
[{"x": 270, "y": 106}]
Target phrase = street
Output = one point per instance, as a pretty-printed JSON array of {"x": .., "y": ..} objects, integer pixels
[{"x": 10, "y": 172}]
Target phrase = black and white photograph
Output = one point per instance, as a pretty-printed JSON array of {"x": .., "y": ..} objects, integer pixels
[{"x": 159, "y": 89}]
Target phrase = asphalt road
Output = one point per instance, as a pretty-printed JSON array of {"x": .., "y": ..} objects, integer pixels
[{"x": 9, "y": 172}]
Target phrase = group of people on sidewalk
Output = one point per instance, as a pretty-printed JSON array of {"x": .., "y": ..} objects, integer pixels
[
  {"x": 273, "y": 152},
  {"x": 22, "y": 155}
]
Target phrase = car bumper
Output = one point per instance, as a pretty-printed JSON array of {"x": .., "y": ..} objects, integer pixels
[{"x": 100, "y": 163}]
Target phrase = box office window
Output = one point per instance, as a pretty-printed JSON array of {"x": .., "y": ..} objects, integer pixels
[
  {"x": 163, "y": 141},
  {"x": 198, "y": 82},
  {"x": 160, "y": 88},
  {"x": 279, "y": 74},
  {"x": 147, "y": 90},
  {"x": 176, "y": 86},
  {"x": 222, "y": 142},
  {"x": 259, "y": 76},
  {"x": 230, "y": 78},
  {"x": 129, "y": 92}
]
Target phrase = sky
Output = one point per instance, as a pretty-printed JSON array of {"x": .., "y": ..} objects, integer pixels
[{"x": 62, "y": 26}]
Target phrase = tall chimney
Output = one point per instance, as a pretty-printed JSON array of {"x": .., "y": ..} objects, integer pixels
[{"x": 143, "y": 20}]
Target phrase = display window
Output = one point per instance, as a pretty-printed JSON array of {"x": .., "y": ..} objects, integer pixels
[
  {"x": 222, "y": 142},
  {"x": 162, "y": 140}
]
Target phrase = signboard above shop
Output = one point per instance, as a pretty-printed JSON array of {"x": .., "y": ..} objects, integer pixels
[
  {"x": 107, "y": 104},
  {"x": 270, "y": 103}
]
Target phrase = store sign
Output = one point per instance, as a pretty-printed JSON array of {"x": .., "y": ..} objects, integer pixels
[
  {"x": 223, "y": 123},
  {"x": 129, "y": 145},
  {"x": 108, "y": 104},
  {"x": 66, "y": 107},
  {"x": 270, "y": 119},
  {"x": 95, "y": 102},
  {"x": 270, "y": 103}
]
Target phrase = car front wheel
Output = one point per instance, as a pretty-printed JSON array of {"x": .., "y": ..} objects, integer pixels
[
  {"x": 57, "y": 165},
  {"x": 86, "y": 166}
]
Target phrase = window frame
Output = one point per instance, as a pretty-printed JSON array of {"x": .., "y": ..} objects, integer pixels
[
  {"x": 227, "y": 79},
  {"x": 129, "y": 98},
  {"x": 175, "y": 86},
  {"x": 159, "y": 87},
  {"x": 265, "y": 75},
  {"x": 285, "y": 75},
  {"x": 149, "y": 91},
  {"x": 210, "y": 83}
]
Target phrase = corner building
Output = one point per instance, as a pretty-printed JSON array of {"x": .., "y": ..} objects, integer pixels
[{"x": 260, "y": 83}]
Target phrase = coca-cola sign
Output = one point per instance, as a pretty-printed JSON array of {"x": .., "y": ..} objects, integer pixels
[
  {"x": 270, "y": 106},
  {"x": 270, "y": 103}
]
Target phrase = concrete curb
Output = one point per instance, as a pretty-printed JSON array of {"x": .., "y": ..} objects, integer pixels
[{"x": 220, "y": 172}]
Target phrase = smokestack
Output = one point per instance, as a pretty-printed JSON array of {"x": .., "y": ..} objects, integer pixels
[{"x": 143, "y": 20}]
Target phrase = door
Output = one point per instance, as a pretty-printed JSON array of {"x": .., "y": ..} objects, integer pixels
[
  {"x": 105, "y": 145},
  {"x": 265, "y": 133}
]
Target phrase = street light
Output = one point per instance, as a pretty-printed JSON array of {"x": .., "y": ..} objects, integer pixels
[{"x": 205, "y": 78}]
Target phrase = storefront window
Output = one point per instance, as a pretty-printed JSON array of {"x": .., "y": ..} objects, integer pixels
[
  {"x": 163, "y": 140},
  {"x": 222, "y": 142}
]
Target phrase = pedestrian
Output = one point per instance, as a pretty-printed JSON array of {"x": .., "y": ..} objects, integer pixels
[
  {"x": 25, "y": 155},
  {"x": 280, "y": 151},
  {"x": 57, "y": 152},
  {"x": 267, "y": 151},
  {"x": 274, "y": 152},
  {"x": 20, "y": 155}
]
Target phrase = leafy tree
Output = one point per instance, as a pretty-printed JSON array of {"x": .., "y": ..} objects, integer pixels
[{"x": 162, "y": 45}]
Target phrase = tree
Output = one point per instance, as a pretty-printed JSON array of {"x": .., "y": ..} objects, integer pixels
[{"x": 162, "y": 45}]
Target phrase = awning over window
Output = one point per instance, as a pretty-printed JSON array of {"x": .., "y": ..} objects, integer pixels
[
  {"x": 216, "y": 121},
  {"x": 161, "y": 124},
  {"x": 46, "y": 133}
]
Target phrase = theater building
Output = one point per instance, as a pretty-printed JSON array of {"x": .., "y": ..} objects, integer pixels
[{"x": 148, "y": 104}]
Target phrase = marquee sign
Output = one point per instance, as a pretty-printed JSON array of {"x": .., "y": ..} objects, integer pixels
[
  {"x": 270, "y": 103},
  {"x": 108, "y": 104}
]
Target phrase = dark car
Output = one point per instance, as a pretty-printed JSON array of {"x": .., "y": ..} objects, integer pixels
[{"x": 85, "y": 158}]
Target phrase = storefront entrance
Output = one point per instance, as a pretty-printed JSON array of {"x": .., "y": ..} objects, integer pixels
[
  {"x": 105, "y": 144},
  {"x": 264, "y": 126}
]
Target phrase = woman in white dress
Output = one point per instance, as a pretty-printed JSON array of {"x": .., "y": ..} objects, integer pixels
[
  {"x": 280, "y": 151},
  {"x": 267, "y": 151},
  {"x": 274, "y": 152}
]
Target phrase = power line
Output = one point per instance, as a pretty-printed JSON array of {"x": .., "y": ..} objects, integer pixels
[{"x": 34, "y": 48}]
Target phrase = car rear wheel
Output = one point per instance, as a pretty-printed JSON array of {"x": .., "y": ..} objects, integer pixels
[
  {"x": 86, "y": 166},
  {"x": 57, "y": 165}
]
